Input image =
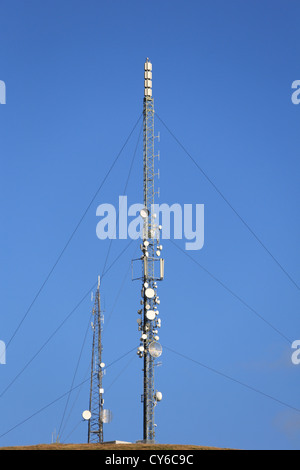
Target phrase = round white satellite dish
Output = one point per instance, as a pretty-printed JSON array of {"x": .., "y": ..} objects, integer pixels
[
  {"x": 144, "y": 213},
  {"x": 158, "y": 396},
  {"x": 150, "y": 315},
  {"x": 149, "y": 293},
  {"x": 155, "y": 349},
  {"x": 87, "y": 415}
]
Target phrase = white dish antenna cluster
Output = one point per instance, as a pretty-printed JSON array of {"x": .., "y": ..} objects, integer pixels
[{"x": 150, "y": 300}]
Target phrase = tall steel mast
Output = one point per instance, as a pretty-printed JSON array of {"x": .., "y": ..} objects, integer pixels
[
  {"x": 153, "y": 265},
  {"x": 95, "y": 423}
]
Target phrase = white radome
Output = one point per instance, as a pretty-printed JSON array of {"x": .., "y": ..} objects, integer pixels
[
  {"x": 144, "y": 213},
  {"x": 86, "y": 415},
  {"x": 149, "y": 293}
]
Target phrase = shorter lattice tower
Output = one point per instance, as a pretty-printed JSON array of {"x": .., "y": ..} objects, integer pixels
[{"x": 95, "y": 412}]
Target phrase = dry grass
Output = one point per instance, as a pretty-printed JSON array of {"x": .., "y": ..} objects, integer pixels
[{"x": 112, "y": 447}]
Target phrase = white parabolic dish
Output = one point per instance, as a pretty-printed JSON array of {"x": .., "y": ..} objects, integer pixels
[
  {"x": 86, "y": 415},
  {"x": 149, "y": 293},
  {"x": 155, "y": 349},
  {"x": 144, "y": 213},
  {"x": 150, "y": 315}
]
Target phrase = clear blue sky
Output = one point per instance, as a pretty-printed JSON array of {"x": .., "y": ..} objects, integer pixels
[{"x": 222, "y": 75}]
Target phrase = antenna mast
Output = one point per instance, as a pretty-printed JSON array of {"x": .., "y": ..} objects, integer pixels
[
  {"x": 95, "y": 423},
  {"x": 149, "y": 349}
]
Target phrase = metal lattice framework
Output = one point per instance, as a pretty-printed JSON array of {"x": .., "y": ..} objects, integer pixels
[
  {"x": 149, "y": 322},
  {"x": 95, "y": 425}
]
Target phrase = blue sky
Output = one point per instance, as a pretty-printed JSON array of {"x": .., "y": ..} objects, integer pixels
[{"x": 222, "y": 76}]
